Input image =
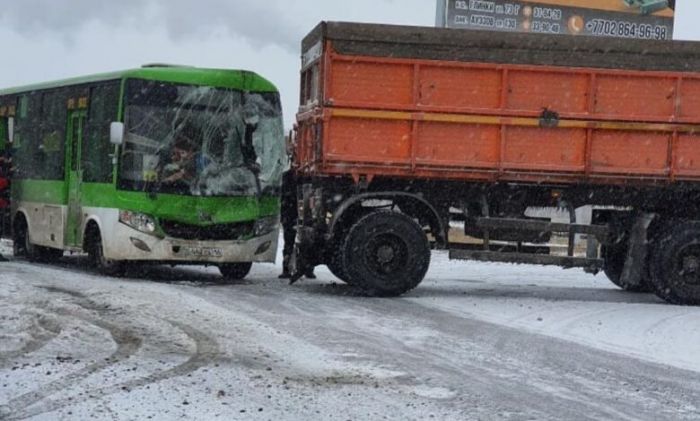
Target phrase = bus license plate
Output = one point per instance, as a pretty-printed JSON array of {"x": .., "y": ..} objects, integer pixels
[{"x": 203, "y": 252}]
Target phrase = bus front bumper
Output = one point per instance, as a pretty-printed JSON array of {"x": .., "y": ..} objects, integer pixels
[{"x": 130, "y": 244}]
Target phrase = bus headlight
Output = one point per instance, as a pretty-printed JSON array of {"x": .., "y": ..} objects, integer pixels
[
  {"x": 266, "y": 225},
  {"x": 138, "y": 221}
]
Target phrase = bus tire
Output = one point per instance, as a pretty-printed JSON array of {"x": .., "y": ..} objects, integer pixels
[
  {"x": 614, "y": 257},
  {"x": 386, "y": 254},
  {"x": 675, "y": 264},
  {"x": 95, "y": 251},
  {"x": 235, "y": 271},
  {"x": 22, "y": 246}
]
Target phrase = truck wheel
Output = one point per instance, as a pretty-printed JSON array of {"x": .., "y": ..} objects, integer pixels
[
  {"x": 675, "y": 264},
  {"x": 335, "y": 263},
  {"x": 386, "y": 254},
  {"x": 235, "y": 271},
  {"x": 614, "y": 258},
  {"x": 96, "y": 255}
]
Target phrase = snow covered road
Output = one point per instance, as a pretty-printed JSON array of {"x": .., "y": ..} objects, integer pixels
[{"x": 474, "y": 341}]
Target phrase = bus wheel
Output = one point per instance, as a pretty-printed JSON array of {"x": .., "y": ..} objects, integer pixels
[
  {"x": 386, "y": 254},
  {"x": 95, "y": 251},
  {"x": 235, "y": 271},
  {"x": 614, "y": 257},
  {"x": 22, "y": 246},
  {"x": 675, "y": 264}
]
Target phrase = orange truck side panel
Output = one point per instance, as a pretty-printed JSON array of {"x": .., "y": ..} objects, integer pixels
[
  {"x": 529, "y": 148},
  {"x": 638, "y": 97},
  {"x": 476, "y": 145},
  {"x": 482, "y": 121},
  {"x": 535, "y": 90},
  {"x": 459, "y": 87}
]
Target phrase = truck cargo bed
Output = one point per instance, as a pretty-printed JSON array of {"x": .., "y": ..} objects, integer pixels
[{"x": 394, "y": 101}]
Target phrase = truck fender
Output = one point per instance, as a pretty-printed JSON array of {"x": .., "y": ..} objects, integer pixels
[
  {"x": 637, "y": 252},
  {"x": 420, "y": 208}
]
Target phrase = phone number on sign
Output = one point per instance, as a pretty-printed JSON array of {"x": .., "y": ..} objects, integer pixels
[{"x": 623, "y": 29}]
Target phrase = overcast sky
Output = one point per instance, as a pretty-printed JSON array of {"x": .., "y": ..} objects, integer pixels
[{"x": 53, "y": 39}]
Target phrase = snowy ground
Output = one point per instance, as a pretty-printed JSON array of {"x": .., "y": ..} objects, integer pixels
[{"x": 474, "y": 341}]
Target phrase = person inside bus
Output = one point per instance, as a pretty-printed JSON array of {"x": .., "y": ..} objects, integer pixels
[
  {"x": 182, "y": 166},
  {"x": 185, "y": 160}
]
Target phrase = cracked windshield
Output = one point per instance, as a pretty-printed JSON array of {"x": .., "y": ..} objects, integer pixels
[{"x": 201, "y": 141}]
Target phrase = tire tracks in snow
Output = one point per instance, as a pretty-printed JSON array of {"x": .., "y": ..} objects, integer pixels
[
  {"x": 42, "y": 330},
  {"x": 128, "y": 342},
  {"x": 507, "y": 371}
]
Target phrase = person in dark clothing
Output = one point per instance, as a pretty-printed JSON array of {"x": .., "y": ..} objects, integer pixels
[{"x": 289, "y": 216}]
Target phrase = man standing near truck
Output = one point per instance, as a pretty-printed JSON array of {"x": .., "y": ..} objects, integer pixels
[
  {"x": 289, "y": 213},
  {"x": 289, "y": 216}
]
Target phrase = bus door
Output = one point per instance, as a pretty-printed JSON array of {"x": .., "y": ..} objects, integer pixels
[{"x": 74, "y": 134}]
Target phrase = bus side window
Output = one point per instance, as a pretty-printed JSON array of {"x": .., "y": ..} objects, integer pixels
[
  {"x": 97, "y": 149},
  {"x": 28, "y": 158},
  {"x": 52, "y": 134}
]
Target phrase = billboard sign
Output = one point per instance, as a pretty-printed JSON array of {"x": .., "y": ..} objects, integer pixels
[{"x": 633, "y": 19}]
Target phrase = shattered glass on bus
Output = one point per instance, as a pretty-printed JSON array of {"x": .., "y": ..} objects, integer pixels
[{"x": 201, "y": 141}]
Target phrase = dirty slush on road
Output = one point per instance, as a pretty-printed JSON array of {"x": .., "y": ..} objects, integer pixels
[
  {"x": 76, "y": 345},
  {"x": 173, "y": 345}
]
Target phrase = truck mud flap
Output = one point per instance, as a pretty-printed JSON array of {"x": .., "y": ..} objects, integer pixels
[{"x": 633, "y": 271}]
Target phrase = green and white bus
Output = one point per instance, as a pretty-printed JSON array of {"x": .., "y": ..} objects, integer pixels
[{"x": 160, "y": 164}]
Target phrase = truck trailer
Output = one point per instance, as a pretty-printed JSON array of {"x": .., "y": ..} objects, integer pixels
[{"x": 410, "y": 139}]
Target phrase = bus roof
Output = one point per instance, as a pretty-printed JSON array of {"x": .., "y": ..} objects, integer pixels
[{"x": 220, "y": 78}]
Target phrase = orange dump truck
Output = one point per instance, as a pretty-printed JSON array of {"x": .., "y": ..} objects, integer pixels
[{"x": 405, "y": 134}]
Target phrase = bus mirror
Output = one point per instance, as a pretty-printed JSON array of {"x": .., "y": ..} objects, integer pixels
[
  {"x": 11, "y": 129},
  {"x": 116, "y": 133}
]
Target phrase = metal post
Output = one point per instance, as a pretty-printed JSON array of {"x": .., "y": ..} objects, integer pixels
[{"x": 441, "y": 14}]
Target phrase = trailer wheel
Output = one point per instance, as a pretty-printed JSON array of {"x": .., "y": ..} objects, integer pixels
[
  {"x": 675, "y": 264},
  {"x": 614, "y": 258},
  {"x": 386, "y": 254},
  {"x": 95, "y": 251},
  {"x": 235, "y": 271}
]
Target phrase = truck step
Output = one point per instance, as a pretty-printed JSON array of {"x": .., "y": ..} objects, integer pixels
[
  {"x": 599, "y": 231},
  {"x": 527, "y": 258}
]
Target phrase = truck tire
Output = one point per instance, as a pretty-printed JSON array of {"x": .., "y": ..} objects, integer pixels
[
  {"x": 614, "y": 257},
  {"x": 335, "y": 264},
  {"x": 235, "y": 271},
  {"x": 386, "y": 254},
  {"x": 675, "y": 264}
]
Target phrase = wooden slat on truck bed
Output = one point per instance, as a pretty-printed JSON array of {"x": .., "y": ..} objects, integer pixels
[{"x": 479, "y": 46}]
